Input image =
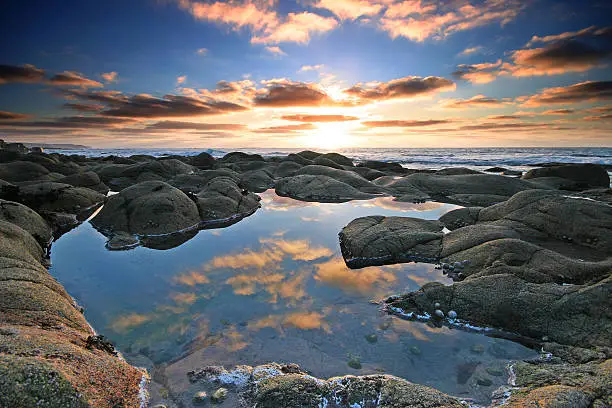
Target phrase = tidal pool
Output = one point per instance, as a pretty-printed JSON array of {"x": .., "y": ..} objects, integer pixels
[{"x": 273, "y": 287}]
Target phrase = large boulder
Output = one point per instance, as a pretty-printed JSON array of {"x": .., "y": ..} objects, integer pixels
[
  {"x": 222, "y": 202},
  {"x": 257, "y": 180},
  {"x": 87, "y": 179},
  {"x": 118, "y": 177},
  {"x": 577, "y": 315},
  {"x": 287, "y": 386},
  {"x": 585, "y": 175},
  {"x": 378, "y": 240},
  {"x": 194, "y": 183},
  {"x": 48, "y": 196},
  {"x": 344, "y": 176},
  {"x": 148, "y": 208},
  {"x": 18, "y": 171},
  {"x": 203, "y": 161},
  {"x": 307, "y": 187},
  {"x": 27, "y": 219}
]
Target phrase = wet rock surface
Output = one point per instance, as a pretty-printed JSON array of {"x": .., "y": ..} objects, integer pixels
[{"x": 287, "y": 386}]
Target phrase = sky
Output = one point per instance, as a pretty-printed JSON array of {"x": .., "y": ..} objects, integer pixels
[{"x": 307, "y": 73}]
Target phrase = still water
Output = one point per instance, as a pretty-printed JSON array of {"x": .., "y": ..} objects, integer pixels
[{"x": 273, "y": 287}]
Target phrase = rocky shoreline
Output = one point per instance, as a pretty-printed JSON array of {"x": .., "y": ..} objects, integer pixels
[{"x": 530, "y": 255}]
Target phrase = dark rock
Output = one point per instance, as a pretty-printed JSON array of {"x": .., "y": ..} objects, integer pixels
[
  {"x": 18, "y": 171},
  {"x": 319, "y": 188},
  {"x": 587, "y": 175},
  {"x": 87, "y": 179}
]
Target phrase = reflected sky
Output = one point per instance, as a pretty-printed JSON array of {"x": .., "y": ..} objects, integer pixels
[{"x": 273, "y": 287}]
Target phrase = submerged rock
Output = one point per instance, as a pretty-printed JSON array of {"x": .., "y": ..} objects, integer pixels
[{"x": 378, "y": 240}]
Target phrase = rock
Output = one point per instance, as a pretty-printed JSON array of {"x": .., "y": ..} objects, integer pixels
[
  {"x": 239, "y": 156},
  {"x": 496, "y": 169},
  {"x": 118, "y": 177},
  {"x": 319, "y": 188},
  {"x": 460, "y": 217},
  {"x": 484, "y": 381},
  {"x": 354, "y": 363},
  {"x": 322, "y": 161},
  {"x": 222, "y": 202},
  {"x": 58, "y": 197},
  {"x": 452, "y": 314},
  {"x": 456, "y": 171},
  {"x": 200, "y": 397},
  {"x": 151, "y": 207},
  {"x": 203, "y": 161},
  {"x": 27, "y": 219},
  {"x": 371, "y": 338},
  {"x": 219, "y": 395},
  {"x": 477, "y": 200},
  {"x": 286, "y": 169},
  {"x": 586, "y": 175},
  {"x": 346, "y": 177},
  {"x": 308, "y": 155},
  {"x": 367, "y": 173},
  {"x": 378, "y": 240},
  {"x": 18, "y": 171},
  {"x": 196, "y": 182},
  {"x": 385, "y": 167},
  {"x": 87, "y": 179},
  {"x": 122, "y": 241},
  {"x": 257, "y": 181},
  {"x": 335, "y": 158},
  {"x": 574, "y": 315}
]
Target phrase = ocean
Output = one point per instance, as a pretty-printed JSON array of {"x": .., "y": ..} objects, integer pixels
[{"x": 434, "y": 158}]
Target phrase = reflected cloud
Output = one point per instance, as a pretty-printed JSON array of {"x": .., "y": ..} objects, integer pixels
[
  {"x": 297, "y": 320},
  {"x": 191, "y": 279},
  {"x": 273, "y": 202},
  {"x": 184, "y": 298},
  {"x": 389, "y": 203},
  {"x": 371, "y": 281},
  {"x": 127, "y": 322},
  {"x": 299, "y": 250}
]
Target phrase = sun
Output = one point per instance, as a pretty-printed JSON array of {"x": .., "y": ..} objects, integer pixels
[{"x": 330, "y": 136}]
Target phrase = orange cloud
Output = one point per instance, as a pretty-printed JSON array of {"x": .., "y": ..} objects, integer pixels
[
  {"x": 109, "y": 77},
  {"x": 350, "y": 9},
  {"x": 588, "y": 91},
  {"x": 402, "y": 88},
  {"x": 25, "y": 73},
  {"x": 297, "y": 27},
  {"x": 191, "y": 279},
  {"x": 274, "y": 49},
  {"x": 12, "y": 116},
  {"x": 319, "y": 118},
  {"x": 184, "y": 298},
  {"x": 71, "y": 78},
  {"x": 404, "y": 123},
  {"x": 127, "y": 322},
  {"x": 478, "y": 101},
  {"x": 368, "y": 281}
]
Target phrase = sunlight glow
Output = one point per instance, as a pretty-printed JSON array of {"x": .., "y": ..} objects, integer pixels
[{"x": 330, "y": 136}]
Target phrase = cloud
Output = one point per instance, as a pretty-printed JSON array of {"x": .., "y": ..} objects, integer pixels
[
  {"x": 274, "y": 49},
  {"x": 593, "y": 118},
  {"x": 505, "y": 117},
  {"x": 471, "y": 51},
  {"x": 75, "y": 122},
  {"x": 109, "y": 77},
  {"x": 297, "y": 27},
  {"x": 148, "y": 106},
  {"x": 264, "y": 23},
  {"x": 505, "y": 126},
  {"x": 478, "y": 101},
  {"x": 404, "y": 123},
  {"x": 306, "y": 68},
  {"x": 181, "y": 79},
  {"x": 84, "y": 107},
  {"x": 12, "y": 116},
  {"x": 176, "y": 125},
  {"x": 285, "y": 128},
  {"x": 350, "y": 9},
  {"x": 319, "y": 118},
  {"x": 585, "y": 32},
  {"x": 589, "y": 91},
  {"x": 26, "y": 74},
  {"x": 285, "y": 93},
  {"x": 403, "y": 88},
  {"x": 557, "y": 58},
  {"x": 72, "y": 78},
  {"x": 418, "y": 21},
  {"x": 201, "y": 51},
  {"x": 478, "y": 73},
  {"x": 555, "y": 112}
]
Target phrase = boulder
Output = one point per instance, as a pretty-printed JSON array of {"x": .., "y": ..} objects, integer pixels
[
  {"x": 234, "y": 157},
  {"x": 586, "y": 175},
  {"x": 27, "y": 219},
  {"x": 286, "y": 169},
  {"x": 378, "y": 240},
  {"x": 335, "y": 158},
  {"x": 18, "y": 171},
  {"x": 344, "y": 176},
  {"x": 319, "y": 188},
  {"x": 322, "y": 161},
  {"x": 148, "y": 208},
  {"x": 456, "y": 171},
  {"x": 257, "y": 181},
  {"x": 194, "y": 183},
  {"x": 577, "y": 315},
  {"x": 203, "y": 161},
  {"x": 222, "y": 202},
  {"x": 460, "y": 217},
  {"x": 87, "y": 179},
  {"x": 48, "y": 196},
  {"x": 386, "y": 167}
]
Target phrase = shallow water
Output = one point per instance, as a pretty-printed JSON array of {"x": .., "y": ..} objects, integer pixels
[{"x": 273, "y": 287}]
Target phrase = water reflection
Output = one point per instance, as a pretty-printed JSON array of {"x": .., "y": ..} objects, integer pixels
[{"x": 272, "y": 287}]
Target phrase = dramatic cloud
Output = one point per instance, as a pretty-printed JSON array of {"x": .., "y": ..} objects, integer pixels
[
  {"x": 109, "y": 77},
  {"x": 176, "y": 125},
  {"x": 478, "y": 101},
  {"x": 148, "y": 106},
  {"x": 297, "y": 27},
  {"x": 556, "y": 112},
  {"x": 478, "y": 73},
  {"x": 84, "y": 107},
  {"x": 557, "y": 58},
  {"x": 589, "y": 91},
  {"x": 285, "y": 128},
  {"x": 285, "y": 93},
  {"x": 274, "y": 49},
  {"x": 403, "y": 88},
  {"x": 266, "y": 26},
  {"x": 350, "y": 9},
  {"x": 418, "y": 21},
  {"x": 577, "y": 51},
  {"x": 12, "y": 116},
  {"x": 319, "y": 118},
  {"x": 26, "y": 74},
  {"x": 71, "y": 78},
  {"x": 404, "y": 123},
  {"x": 74, "y": 122}
]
